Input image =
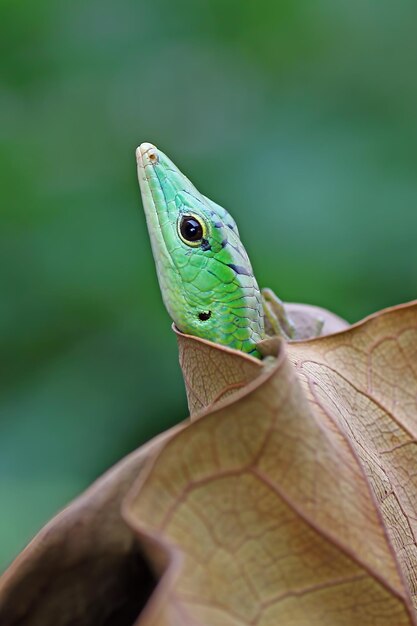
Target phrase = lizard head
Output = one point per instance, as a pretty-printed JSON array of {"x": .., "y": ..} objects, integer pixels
[{"x": 204, "y": 272}]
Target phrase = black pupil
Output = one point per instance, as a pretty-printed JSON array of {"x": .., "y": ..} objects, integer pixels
[{"x": 191, "y": 229}]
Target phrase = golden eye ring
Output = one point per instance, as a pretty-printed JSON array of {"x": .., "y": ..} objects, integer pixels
[{"x": 191, "y": 229}]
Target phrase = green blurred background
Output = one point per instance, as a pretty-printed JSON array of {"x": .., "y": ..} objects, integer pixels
[{"x": 299, "y": 117}]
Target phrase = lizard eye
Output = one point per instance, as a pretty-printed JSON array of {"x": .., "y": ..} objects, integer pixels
[{"x": 191, "y": 229}]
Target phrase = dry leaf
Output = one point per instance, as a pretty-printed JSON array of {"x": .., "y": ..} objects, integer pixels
[
  {"x": 366, "y": 380},
  {"x": 290, "y": 500},
  {"x": 211, "y": 375}
]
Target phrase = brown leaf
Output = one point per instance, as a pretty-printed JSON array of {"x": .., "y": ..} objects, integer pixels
[
  {"x": 366, "y": 380},
  {"x": 290, "y": 500},
  {"x": 211, "y": 375},
  {"x": 274, "y": 505}
]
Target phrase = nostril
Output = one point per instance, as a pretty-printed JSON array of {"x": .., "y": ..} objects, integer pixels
[
  {"x": 147, "y": 152},
  {"x": 153, "y": 156}
]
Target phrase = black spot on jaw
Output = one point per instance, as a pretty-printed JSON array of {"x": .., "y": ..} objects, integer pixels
[
  {"x": 239, "y": 269},
  {"x": 230, "y": 226},
  {"x": 218, "y": 224},
  {"x": 204, "y": 315},
  {"x": 205, "y": 245},
  {"x": 224, "y": 243}
]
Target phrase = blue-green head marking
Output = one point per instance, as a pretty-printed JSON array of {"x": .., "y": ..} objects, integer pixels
[{"x": 204, "y": 272}]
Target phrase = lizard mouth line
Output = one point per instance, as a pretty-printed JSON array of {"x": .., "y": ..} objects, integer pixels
[
  {"x": 155, "y": 213},
  {"x": 143, "y": 153}
]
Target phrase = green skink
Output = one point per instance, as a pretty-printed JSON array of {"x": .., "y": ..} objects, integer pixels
[{"x": 206, "y": 279}]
